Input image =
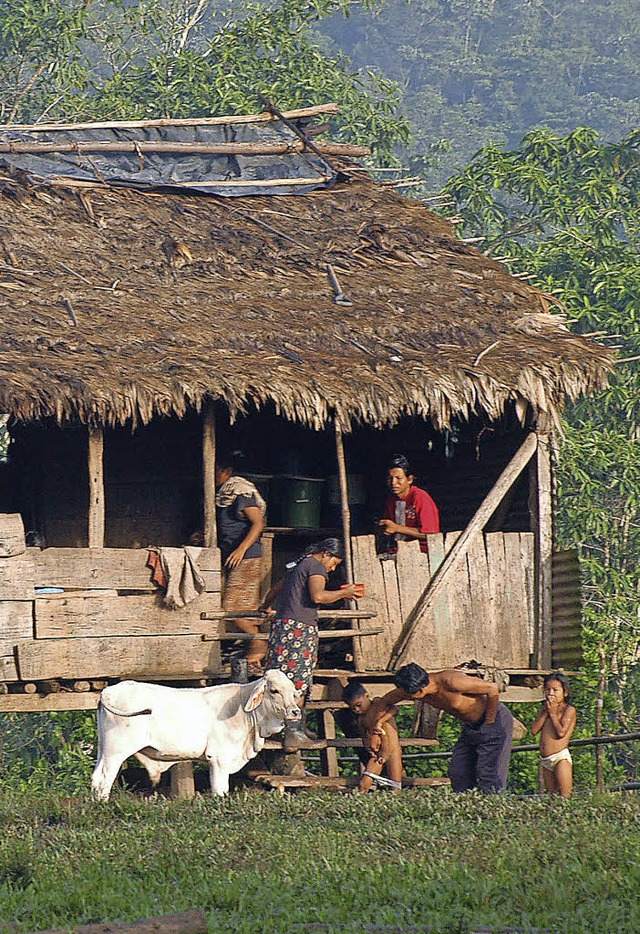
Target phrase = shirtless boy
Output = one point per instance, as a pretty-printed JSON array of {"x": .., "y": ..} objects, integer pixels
[
  {"x": 480, "y": 758},
  {"x": 556, "y": 723},
  {"x": 377, "y": 720}
]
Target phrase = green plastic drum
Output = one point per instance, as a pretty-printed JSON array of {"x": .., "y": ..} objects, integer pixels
[{"x": 296, "y": 502}]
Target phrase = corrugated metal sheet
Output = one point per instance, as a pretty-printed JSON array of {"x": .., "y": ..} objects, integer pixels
[
  {"x": 230, "y": 174},
  {"x": 566, "y": 609}
]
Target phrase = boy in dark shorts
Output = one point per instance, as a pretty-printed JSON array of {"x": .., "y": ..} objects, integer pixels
[{"x": 377, "y": 726}]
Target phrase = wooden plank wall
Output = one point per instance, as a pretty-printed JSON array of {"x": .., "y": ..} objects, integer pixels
[
  {"x": 487, "y": 612},
  {"x": 110, "y": 622}
]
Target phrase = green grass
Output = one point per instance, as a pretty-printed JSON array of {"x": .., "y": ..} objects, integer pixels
[{"x": 260, "y": 862}]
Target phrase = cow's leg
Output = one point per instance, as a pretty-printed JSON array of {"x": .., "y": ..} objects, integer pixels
[
  {"x": 153, "y": 767},
  {"x": 218, "y": 776},
  {"x": 104, "y": 775}
]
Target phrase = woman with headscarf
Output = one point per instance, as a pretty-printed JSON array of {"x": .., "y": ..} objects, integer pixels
[{"x": 293, "y": 642}]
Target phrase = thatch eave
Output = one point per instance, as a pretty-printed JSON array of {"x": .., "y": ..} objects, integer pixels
[{"x": 180, "y": 299}]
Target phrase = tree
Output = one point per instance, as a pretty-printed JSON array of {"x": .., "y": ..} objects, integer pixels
[
  {"x": 475, "y": 72},
  {"x": 77, "y": 59},
  {"x": 565, "y": 211}
]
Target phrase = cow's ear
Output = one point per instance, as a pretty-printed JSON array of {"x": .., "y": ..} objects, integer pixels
[{"x": 255, "y": 698}]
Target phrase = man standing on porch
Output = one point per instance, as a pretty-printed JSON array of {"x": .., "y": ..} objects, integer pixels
[
  {"x": 240, "y": 512},
  {"x": 410, "y": 513},
  {"x": 481, "y": 756}
]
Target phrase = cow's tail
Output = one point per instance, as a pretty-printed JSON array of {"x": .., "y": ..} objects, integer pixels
[{"x": 123, "y": 713}]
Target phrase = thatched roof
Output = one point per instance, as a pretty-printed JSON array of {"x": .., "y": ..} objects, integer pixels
[{"x": 118, "y": 305}]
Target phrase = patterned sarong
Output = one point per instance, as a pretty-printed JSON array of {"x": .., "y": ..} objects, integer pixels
[{"x": 293, "y": 648}]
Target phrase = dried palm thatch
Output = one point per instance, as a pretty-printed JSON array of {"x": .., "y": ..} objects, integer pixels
[{"x": 117, "y": 306}]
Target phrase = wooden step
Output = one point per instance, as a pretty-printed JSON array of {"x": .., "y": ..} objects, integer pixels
[
  {"x": 323, "y": 634},
  {"x": 282, "y": 782}
]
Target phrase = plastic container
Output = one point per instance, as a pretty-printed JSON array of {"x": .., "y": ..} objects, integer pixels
[{"x": 295, "y": 502}]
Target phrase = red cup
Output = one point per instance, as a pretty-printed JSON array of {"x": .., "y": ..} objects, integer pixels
[{"x": 360, "y": 591}]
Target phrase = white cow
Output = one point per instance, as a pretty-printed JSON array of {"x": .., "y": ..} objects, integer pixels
[{"x": 226, "y": 725}]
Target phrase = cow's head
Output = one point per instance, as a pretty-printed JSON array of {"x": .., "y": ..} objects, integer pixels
[{"x": 275, "y": 700}]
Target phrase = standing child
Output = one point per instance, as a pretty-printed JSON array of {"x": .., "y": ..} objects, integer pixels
[
  {"x": 377, "y": 726},
  {"x": 557, "y": 721}
]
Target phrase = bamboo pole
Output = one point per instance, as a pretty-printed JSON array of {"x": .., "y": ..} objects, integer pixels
[
  {"x": 264, "y": 117},
  {"x": 209, "y": 476},
  {"x": 598, "y": 724},
  {"x": 487, "y": 508},
  {"x": 96, "y": 520},
  {"x": 344, "y": 502},
  {"x": 159, "y": 146}
]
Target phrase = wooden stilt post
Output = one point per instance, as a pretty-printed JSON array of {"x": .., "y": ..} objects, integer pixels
[
  {"x": 96, "y": 488},
  {"x": 182, "y": 781},
  {"x": 344, "y": 502},
  {"x": 544, "y": 541},
  {"x": 209, "y": 476}
]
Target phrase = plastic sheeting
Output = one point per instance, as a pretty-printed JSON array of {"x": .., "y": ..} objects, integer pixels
[{"x": 229, "y": 175}]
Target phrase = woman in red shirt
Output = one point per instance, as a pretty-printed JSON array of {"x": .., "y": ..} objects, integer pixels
[{"x": 409, "y": 512}]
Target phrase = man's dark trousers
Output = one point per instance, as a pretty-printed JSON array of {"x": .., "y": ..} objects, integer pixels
[{"x": 481, "y": 756}]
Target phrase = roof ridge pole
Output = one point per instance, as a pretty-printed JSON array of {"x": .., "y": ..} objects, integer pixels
[
  {"x": 344, "y": 501},
  {"x": 96, "y": 518},
  {"x": 209, "y": 475}
]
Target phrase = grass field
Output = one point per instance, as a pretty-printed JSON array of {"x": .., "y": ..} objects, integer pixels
[{"x": 316, "y": 861}]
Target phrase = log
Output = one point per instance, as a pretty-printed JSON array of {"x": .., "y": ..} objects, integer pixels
[
  {"x": 50, "y": 687},
  {"x": 11, "y": 535},
  {"x": 182, "y": 781},
  {"x": 81, "y": 687},
  {"x": 482, "y": 515},
  {"x": 209, "y": 476},
  {"x": 186, "y": 922},
  {"x": 344, "y": 502},
  {"x": 160, "y": 146},
  {"x": 264, "y": 117},
  {"x": 96, "y": 518}
]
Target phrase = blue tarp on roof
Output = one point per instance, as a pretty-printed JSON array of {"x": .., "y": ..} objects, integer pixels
[{"x": 229, "y": 174}]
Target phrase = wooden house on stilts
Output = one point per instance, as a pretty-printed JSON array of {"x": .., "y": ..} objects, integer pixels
[{"x": 171, "y": 288}]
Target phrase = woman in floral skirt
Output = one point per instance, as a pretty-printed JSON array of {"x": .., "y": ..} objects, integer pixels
[{"x": 293, "y": 642}]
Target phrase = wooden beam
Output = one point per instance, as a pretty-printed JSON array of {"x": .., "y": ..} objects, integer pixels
[
  {"x": 264, "y": 117},
  {"x": 256, "y": 614},
  {"x": 344, "y": 502},
  {"x": 544, "y": 556},
  {"x": 209, "y": 476},
  {"x": 482, "y": 515},
  {"x": 96, "y": 488},
  {"x": 264, "y": 636},
  {"x": 159, "y": 146}
]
